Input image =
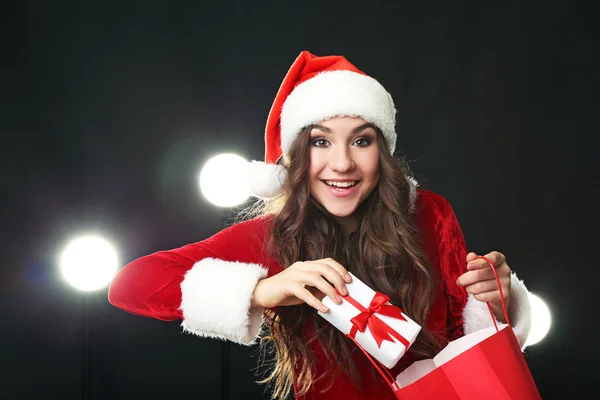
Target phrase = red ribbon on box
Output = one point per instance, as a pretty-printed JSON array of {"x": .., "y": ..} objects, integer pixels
[{"x": 379, "y": 329}]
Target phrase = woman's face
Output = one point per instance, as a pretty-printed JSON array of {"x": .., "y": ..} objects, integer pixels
[{"x": 344, "y": 165}]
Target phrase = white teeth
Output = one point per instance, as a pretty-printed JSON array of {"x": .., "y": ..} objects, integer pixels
[{"x": 341, "y": 184}]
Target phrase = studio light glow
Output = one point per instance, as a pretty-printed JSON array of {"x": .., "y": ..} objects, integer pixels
[
  {"x": 223, "y": 180},
  {"x": 541, "y": 320},
  {"x": 89, "y": 263}
]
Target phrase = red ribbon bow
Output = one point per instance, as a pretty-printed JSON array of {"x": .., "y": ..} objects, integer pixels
[{"x": 379, "y": 329}]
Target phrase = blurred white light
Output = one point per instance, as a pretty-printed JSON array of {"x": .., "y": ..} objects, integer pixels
[
  {"x": 89, "y": 263},
  {"x": 541, "y": 320},
  {"x": 223, "y": 180}
]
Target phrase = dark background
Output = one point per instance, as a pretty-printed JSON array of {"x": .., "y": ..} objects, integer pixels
[{"x": 109, "y": 109}]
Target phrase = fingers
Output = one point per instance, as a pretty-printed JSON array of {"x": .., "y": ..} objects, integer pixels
[
  {"x": 305, "y": 295},
  {"x": 317, "y": 281},
  {"x": 482, "y": 274},
  {"x": 471, "y": 257},
  {"x": 332, "y": 271},
  {"x": 487, "y": 286},
  {"x": 480, "y": 281},
  {"x": 488, "y": 297},
  {"x": 337, "y": 267},
  {"x": 495, "y": 258}
]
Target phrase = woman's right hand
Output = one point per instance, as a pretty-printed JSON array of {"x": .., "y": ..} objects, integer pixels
[{"x": 303, "y": 282}]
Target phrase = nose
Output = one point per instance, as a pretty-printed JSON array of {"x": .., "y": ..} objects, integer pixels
[{"x": 341, "y": 160}]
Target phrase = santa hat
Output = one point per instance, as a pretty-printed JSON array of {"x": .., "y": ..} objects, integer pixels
[{"x": 316, "y": 89}]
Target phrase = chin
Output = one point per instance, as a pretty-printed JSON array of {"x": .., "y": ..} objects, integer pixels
[{"x": 341, "y": 212}]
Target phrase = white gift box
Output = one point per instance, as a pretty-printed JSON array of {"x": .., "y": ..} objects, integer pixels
[{"x": 400, "y": 332}]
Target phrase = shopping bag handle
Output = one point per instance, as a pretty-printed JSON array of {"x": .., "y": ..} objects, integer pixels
[
  {"x": 383, "y": 371},
  {"x": 501, "y": 296}
]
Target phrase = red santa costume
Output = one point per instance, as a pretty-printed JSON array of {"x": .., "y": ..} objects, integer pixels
[{"x": 208, "y": 285}]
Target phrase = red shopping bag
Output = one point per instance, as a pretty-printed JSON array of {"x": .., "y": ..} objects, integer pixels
[{"x": 493, "y": 369}]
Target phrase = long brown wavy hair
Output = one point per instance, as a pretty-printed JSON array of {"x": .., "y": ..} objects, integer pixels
[{"x": 384, "y": 252}]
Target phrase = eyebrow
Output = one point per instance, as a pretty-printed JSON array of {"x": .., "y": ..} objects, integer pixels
[{"x": 356, "y": 130}]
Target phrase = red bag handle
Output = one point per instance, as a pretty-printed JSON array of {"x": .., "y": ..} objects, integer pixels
[
  {"x": 501, "y": 296},
  {"x": 385, "y": 373}
]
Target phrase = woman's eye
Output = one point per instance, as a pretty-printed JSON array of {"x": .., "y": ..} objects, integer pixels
[
  {"x": 362, "y": 142},
  {"x": 319, "y": 142}
]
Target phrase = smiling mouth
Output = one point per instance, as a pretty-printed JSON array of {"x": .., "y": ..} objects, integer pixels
[{"x": 341, "y": 185}]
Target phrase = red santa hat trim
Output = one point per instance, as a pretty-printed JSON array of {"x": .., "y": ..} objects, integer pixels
[{"x": 316, "y": 89}]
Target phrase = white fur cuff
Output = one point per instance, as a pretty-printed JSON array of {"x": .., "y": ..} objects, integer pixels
[
  {"x": 215, "y": 300},
  {"x": 476, "y": 315}
]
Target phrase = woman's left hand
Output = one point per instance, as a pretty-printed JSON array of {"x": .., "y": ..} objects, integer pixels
[{"x": 481, "y": 283}]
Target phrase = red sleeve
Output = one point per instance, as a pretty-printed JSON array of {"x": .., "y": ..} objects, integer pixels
[
  {"x": 150, "y": 286},
  {"x": 452, "y": 258}
]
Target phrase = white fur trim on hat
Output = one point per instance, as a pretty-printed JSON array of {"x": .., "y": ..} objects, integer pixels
[
  {"x": 216, "y": 298},
  {"x": 476, "y": 314},
  {"x": 333, "y": 94}
]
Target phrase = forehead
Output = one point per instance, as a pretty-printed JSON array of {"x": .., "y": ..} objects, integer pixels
[{"x": 343, "y": 125}]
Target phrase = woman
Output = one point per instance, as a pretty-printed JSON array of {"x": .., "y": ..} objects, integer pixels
[{"x": 335, "y": 200}]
